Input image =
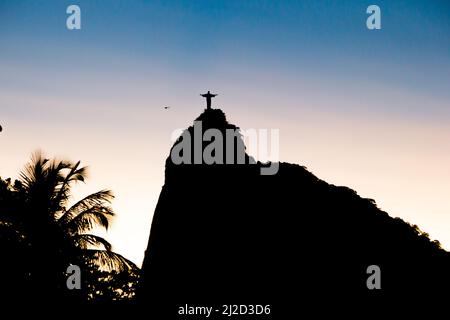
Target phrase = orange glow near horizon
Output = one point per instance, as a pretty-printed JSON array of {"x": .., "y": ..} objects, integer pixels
[{"x": 400, "y": 163}]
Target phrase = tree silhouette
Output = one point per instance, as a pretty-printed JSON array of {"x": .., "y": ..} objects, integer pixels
[
  {"x": 42, "y": 227},
  {"x": 47, "y": 185}
]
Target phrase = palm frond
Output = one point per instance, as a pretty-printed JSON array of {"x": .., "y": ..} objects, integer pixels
[
  {"x": 86, "y": 241},
  {"x": 75, "y": 174},
  {"x": 97, "y": 199},
  {"x": 34, "y": 169},
  {"x": 88, "y": 219},
  {"x": 108, "y": 260},
  {"x": 42, "y": 181}
]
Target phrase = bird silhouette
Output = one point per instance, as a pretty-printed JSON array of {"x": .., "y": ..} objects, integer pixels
[{"x": 166, "y": 108}]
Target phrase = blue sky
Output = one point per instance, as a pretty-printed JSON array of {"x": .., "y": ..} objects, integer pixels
[
  {"x": 314, "y": 38},
  {"x": 377, "y": 102}
]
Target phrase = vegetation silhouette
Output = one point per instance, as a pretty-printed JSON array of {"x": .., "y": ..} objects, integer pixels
[
  {"x": 41, "y": 235},
  {"x": 221, "y": 234},
  {"x": 227, "y": 234}
]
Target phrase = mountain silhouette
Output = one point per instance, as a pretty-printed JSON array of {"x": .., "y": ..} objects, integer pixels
[{"x": 225, "y": 234}]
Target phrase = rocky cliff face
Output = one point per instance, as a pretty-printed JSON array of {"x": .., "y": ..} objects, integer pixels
[{"x": 225, "y": 233}]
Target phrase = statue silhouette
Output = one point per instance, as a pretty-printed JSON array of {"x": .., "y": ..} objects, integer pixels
[{"x": 208, "y": 97}]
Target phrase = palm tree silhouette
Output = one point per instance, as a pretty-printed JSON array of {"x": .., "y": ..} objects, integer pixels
[{"x": 60, "y": 230}]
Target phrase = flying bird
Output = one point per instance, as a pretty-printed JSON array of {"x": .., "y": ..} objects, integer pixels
[{"x": 166, "y": 108}]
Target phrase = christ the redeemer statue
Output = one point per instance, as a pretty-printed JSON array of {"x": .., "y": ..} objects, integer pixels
[{"x": 208, "y": 97}]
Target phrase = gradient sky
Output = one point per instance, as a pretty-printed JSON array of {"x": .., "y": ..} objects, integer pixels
[{"x": 365, "y": 109}]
